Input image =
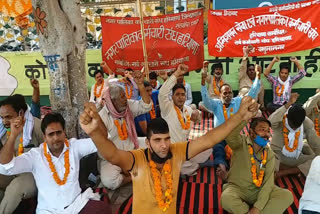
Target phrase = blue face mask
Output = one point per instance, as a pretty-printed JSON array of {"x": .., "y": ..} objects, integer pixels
[{"x": 261, "y": 141}]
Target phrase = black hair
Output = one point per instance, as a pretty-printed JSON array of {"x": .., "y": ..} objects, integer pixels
[
  {"x": 177, "y": 86},
  {"x": 250, "y": 64},
  {"x": 255, "y": 121},
  {"x": 157, "y": 126},
  {"x": 17, "y": 102},
  {"x": 296, "y": 115},
  {"x": 225, "y": 84},
  {"x": 146, "y": 83},
  {"x": 129, "y": 69},
  {"x": 53, "y": 117},
  {"x": 98, "y": 72},
  {"x": 284, "y": 65},
  {"x": 216, "y": 65},
  {"x": 153, "y": 75}
]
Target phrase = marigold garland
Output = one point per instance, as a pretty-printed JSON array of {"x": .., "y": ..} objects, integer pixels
[
  {"x": 156, "y": 176},
  {"x": 97, "y": 95},
  {"x": 225, "y": 112},
  {"x": 215, "y": 89},
  {"x": 52, "y": 167},
  {"x": 184, "y": 125},
  {"x": 152, "y": 112},
  {"x": 184, "y": 83},
  {"x": 127, "y": 92},
  {"x": 257, "y": 181},
  {"x": 20, "y": 148},
  {"x": 286, "y": 138},
  {"x": 279, "y": 94},
  {"x": 316, "y": 122},
  {"x": 122, "y": 130}
]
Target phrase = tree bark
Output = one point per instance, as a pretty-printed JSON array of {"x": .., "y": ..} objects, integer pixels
[{"x": 62, "y": 34}]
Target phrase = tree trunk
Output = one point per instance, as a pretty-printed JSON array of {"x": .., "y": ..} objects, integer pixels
[{"x": 63, "y": 44}]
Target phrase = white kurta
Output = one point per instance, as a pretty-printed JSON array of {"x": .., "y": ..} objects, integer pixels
[
  {"x": 53, "y": 198},
  {"x": 168, "y": 112},
  {"x": 177, "y": 133}
]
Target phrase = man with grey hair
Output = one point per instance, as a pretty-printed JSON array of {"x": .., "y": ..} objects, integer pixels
[{"x": 118, "y": 115}]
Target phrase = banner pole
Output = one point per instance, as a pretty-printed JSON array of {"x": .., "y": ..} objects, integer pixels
[{"x": 145, "y": 54}]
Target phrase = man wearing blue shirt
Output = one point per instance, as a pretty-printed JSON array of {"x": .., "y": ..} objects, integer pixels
[
  {"x": 222, "y": 109},
  {"x": 142, "y": 120}
]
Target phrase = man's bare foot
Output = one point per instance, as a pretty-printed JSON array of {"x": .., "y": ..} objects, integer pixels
[{"x": 222, "y": 172}]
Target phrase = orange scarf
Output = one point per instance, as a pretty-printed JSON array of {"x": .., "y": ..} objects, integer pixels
[
  {"x": 257, "y": 181},
  {"x": 286, "y": 138},
  {"x": 122, "y": 131},
  {"x": 156, "y": 176},
  {"x": 279, "y": 94},
  {"x": 184, "y": 125},
  {"x": 52, "y": 167},
  {"x": 100, "y": 91},
  {"x": 215, "y": 88}
]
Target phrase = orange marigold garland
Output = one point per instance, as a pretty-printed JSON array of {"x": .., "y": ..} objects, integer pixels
[
  {"x": 227, "y": 149},
  {"x": 52, "y": 167},
  {"x": 122, "y": 130},
  {"x": 20, "y": 148},
  {"x": 225, "y": 112},
  {"x": 152, "y": 112},
  {"x": 257, "y": 180},
  {"x": 184, "y": 125},
  {"x": 215, "y": 89},
  {"x": 286, "y": 138},
  {"x": 127, "y": 92},
  {"x": 97, "y": 95},
  {"x": 156, "y": 176},
  {"x": 316, "y": 122},
  {"x": 279, "y": 94}
]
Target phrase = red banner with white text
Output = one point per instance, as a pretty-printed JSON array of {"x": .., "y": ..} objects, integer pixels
[
  {"x": 271, "y": 30},
  {"x": 170, "y": 40}
]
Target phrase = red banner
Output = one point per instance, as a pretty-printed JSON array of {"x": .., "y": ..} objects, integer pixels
[
  {"x": 170, "y": 40},
  {"x": 271, "y": 30}
]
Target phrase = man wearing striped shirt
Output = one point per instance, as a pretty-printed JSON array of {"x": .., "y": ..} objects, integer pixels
[{"x": 282, "y": 84}]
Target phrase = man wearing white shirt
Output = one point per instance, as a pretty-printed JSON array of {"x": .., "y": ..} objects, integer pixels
[
  {"x": 97, "y": 88},
  {"x": 55, "y": 167},
  {"x": 178, "y": 115}
]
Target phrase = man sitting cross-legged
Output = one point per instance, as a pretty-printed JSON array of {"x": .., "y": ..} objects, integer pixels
[
  {"x": 294, "y": 139},
  {"x": 55, "y": 168},
  {"x": 250, "y": 186},
  {"x": 155, "y": 170}
]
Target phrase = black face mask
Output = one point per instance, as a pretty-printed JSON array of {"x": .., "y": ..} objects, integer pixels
[{"x": 156, "y": 158}]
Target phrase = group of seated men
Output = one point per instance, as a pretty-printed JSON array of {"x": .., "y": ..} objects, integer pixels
[{"x": 141, "y": 132}]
